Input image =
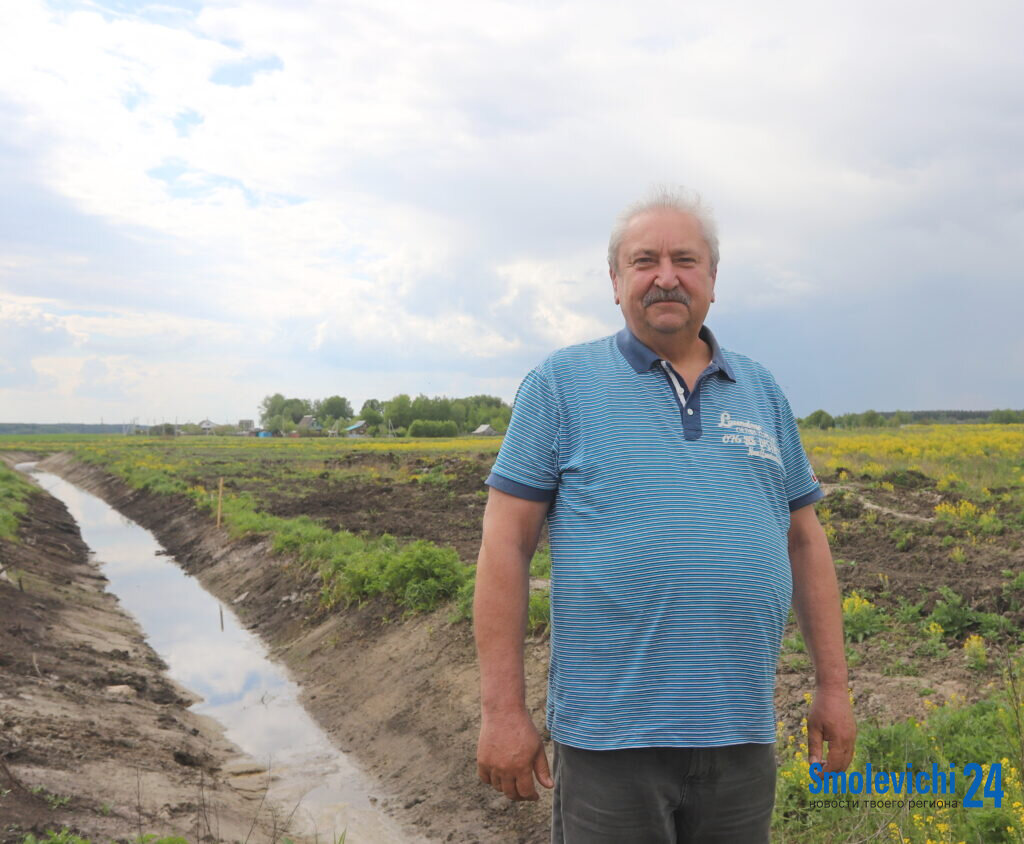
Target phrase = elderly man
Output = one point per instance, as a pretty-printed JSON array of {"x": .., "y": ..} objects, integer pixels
[{"x": 679, "y": 507}]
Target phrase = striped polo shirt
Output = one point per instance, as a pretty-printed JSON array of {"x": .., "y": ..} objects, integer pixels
[{"x": 670, "y": 576}]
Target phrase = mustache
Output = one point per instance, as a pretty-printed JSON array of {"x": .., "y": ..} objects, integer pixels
[{"x": 657, "y": 294}]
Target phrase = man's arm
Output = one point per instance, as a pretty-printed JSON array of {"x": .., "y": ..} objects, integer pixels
[
  {"x": 510, "y": 750},
  {"x": 820, "y": 616}
]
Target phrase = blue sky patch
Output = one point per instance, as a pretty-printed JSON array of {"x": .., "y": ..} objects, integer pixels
[
  {"x": 164, "y": 11},
  {"x": 168, "y": 172},
  {"x": 240, "y": 74},
  {"x": 184, "y": 182},
  {"x": 185, "y": 121}
]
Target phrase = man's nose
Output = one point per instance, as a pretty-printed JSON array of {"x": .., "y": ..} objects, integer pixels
[{"x": 667, "y": 277}]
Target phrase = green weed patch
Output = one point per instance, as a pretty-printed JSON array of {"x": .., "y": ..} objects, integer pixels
[
  {"x": 14, "y": 489},
  {"x": 418, "y": 576}
]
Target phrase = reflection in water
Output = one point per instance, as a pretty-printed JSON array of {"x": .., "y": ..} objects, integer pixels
[{"x": 252, "y": 697}]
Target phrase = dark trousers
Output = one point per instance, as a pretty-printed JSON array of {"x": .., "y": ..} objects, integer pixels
[{"x": 663, "y": 795}]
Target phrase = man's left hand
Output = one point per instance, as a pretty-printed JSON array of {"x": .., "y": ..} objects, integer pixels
[{"x": 831, "y": 720}]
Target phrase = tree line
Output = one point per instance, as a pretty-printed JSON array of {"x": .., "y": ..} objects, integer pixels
[
  {"x": 895, "y": 418},
  {"x": 400, "y": 415}
]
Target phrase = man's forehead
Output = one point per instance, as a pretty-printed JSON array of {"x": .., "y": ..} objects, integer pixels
[{"x": 661, "y": 226}]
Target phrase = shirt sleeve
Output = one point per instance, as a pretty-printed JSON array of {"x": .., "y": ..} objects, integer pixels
[
  {"x": 802, "y": 487},
  {"x": 527, "y": 464}
]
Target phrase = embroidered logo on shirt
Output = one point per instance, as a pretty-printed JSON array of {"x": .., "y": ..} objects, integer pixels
[{"x": 758, "y": 442}]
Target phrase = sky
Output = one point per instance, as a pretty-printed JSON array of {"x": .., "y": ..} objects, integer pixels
[{"x": 203, "y": 203}]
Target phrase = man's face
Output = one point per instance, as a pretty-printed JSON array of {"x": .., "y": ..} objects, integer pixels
[{"x": 664, "y": 283}]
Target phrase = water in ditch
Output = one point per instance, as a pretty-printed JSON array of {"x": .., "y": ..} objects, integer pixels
[{"x": 210, "y": 653}]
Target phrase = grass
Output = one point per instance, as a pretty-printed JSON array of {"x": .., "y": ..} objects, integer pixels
[
  {"x": 861, "y": 618},
  {"x": 540, "y": 565},
  {"x": 54, "y": 801},
  {"x": 417, "y": 576},
  {"x": 14, "y": 490},
  {"x": 538, "y": 612}
]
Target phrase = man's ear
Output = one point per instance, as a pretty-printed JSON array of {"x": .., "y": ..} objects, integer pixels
[
  {"x": 714, "y": 278},
  {"x": 615, "y": 284}
]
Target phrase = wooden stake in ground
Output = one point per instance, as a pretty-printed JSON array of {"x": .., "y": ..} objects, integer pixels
[{"x": 220, "y": 499}]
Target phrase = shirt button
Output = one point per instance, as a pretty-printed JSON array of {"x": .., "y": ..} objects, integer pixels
[{"x": 689, "y": 411}]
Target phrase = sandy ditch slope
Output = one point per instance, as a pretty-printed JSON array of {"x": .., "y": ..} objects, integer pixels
[
  {"x": 399, "y": 695},
  {"x": 93, "y": 735}
]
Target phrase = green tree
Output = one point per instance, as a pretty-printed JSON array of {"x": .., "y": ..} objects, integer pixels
[
  {"x": 819, "y": 419},
  {"x": 278, "y": 405},
  {"x": 335, "y": 407},
  {"x": 297, "y": 408},
  {"x": 872, "y": 419},
  {"x": 270, "y": 407},
  {"x": 458, "y": 413},
  {"x": 484, "y": 409},
  {"x": 372, "y": 417},
  {"x": 399, "y": 411},
  {"x": 423, "y": 408}
]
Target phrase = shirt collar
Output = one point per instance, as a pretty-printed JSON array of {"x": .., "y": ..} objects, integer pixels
[{"x": 642, "y": 359}]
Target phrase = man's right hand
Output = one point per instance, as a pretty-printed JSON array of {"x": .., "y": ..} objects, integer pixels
[{"x": 510, "y": 753}]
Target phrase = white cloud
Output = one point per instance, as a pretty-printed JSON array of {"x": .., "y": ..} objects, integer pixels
[
  {"x": 410, "y": 186},
  {"x": 64, "y": 373},
  {"x": 559, "y": 297}
]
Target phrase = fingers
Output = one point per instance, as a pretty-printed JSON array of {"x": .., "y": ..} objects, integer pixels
[
  {"x": 507, "y": 785},
  {"x": 814, "y": 742},
  {"x": 519, "y": 785},
  {"x": 840, "y": 752},
  {"x": 524, "y": 788},
  {"x": 541, "y": 769},
  {"x": 509, "y": 754},
  {"x": 837, "y": 759},
  {"x": 831, "y": 720},
  {"x": 514, "y": 787}
]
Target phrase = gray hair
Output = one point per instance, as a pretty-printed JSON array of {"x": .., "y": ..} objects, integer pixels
[{"x": 675, "y": 199}]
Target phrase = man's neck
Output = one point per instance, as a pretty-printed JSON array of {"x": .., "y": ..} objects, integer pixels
[{"x": 685, "y": 350}]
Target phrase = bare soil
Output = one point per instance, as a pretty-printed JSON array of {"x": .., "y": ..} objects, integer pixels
[
  {"x": 445, "y": 506},
  {"x": 871, "y": 559}
]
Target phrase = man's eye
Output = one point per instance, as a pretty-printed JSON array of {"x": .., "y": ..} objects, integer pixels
[{"x": 642, "y": 262}]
